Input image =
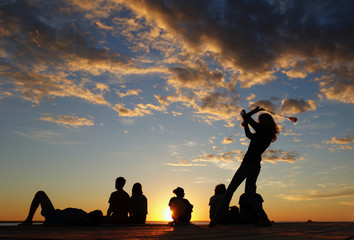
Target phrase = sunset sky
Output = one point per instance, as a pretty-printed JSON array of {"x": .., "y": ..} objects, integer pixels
[{"x": 152, "y": 91}]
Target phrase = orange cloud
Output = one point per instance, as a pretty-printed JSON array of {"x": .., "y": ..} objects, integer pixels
[
  {"x": 228, "y": 140},
  {"x": 278, "y": 155},
  {"x": 67, "y": 121}
]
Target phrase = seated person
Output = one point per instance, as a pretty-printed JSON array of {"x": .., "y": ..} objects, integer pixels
[
  {"x": 247, "y": 213},
  {"x": 138, "y": 205},
  {"x": 216, "y": 199},
  {"x": 229, "y": 215},
  {"x": 68, "y": 216},
  {"x": 119, "y": 202},
  {"x": 180, "y": 207}
]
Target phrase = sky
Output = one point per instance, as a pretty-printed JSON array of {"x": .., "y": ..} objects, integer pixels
[{"x": 152, "y": 91}]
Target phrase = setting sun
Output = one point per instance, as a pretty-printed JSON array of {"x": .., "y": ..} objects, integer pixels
[{"x": 167, "y": 214}]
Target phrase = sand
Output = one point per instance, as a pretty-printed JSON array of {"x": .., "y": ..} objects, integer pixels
[{"x": 284, "y": 231}]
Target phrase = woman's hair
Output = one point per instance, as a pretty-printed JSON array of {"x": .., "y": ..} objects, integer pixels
[
  {"x": 137, "y": 189},
  {"x": 268, "y": 121},
  {"x": 220, "y": 189}
]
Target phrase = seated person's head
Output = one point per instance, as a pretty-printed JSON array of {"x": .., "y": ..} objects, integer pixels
[
  {"x": 179, "y": 192},
  {"x": 95, "y": 217},
  {"x": 220, "y": 189},
  {"x": 137, "y": 189},
  {"x": 120, "y": 182}
]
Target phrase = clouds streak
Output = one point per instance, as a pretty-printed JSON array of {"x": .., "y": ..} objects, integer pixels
[{"x": 205, "y": 51}]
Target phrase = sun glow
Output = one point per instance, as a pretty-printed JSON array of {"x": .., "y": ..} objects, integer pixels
[{"x": 167, "y": 214}]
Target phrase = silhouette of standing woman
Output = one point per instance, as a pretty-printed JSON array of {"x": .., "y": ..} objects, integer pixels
[{"x": 265, "y": 133}]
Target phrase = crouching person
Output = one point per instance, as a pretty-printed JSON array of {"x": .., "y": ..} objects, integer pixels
[{"x": 180, "y": 207}]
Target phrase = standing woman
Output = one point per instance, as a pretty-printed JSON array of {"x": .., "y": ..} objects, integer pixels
[
  {"x": 138, "y": 205},
  {"x": 266, "y": 131}
]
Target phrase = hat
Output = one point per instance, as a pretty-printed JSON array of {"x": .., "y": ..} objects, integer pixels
[{"x": 178, "y": 191}]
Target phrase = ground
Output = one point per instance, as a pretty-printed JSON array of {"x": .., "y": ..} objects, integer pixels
[{"x": 284, "y": 231}]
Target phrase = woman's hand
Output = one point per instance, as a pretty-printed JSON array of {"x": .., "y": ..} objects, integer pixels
[
  {"x": 258, "y": 109},
  {"x": 243, "y": 113}
]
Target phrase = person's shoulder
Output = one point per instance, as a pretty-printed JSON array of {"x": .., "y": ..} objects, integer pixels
[{"x": 114, "y": 193}]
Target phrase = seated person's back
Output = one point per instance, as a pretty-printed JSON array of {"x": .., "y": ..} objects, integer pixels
[
  {"x": 247, "y": 213},
  {"x": 119, "y": 203},
  {"x": 180, "y": 207},
  {"x": 138, "y": 205}
]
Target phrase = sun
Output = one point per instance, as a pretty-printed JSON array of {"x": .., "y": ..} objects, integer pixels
[{"x": 167, "y": 215}]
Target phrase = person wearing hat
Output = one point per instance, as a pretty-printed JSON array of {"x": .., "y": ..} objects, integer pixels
[{"x": 180, "y": 207}]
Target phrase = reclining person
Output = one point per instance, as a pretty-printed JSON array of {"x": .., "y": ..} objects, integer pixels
[{"x": 68, "y": 216}]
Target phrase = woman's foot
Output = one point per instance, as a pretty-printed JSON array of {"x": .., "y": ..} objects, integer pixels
[
  {"x": 26, "y": 223},
  {"x": 263, "y": 223}
]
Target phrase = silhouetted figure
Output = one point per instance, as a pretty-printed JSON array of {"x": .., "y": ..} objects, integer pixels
[
  {"x": 138, "y": 205},
  {"x": 68, "y": 216},
  {"x": 119, "y": 203},
  {"x": 265, "y": 133},
  {"x": 228, "y": 215},
  {"x": 215, "y": 201},
  {"x": 247, "y": 212},
  {"x": 180, "y": 207}
]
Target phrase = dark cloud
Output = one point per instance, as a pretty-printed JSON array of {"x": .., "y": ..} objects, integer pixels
[
  {"x": 43, "y": 46},
  {"x": 258, "y": 38},
  {"x": 266, "y": 104},
  {"x": 297, "y": 106}
]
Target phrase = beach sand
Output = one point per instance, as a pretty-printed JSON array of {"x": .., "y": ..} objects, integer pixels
[{"x": 313, "y": 230}]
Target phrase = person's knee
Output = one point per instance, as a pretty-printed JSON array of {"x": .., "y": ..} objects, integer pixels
[{"x": 40, "y": 193}]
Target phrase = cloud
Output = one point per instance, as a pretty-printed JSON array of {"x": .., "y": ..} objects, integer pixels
[
  {"x": 256, "y": 43},
  {"x": 46, "y": 136},
  {"x": 348, "y": 203},
  {"x": 67, "y": 121},
  {"x": 196, "y": 78},
  {"x": 56, "y": 50},
  {"x": 339, "y": 144},
  {"x": 266, "y": 104},
  {"x": 315, "y": 194},
  {"x": 345, "y": 140},
  {"x": 129, "y": 92},
  {"x": 211, "y": 139},
  {"x": 278, "y": 155},
  {"x": 227, "y": 140},
  {"x": 102, "y": 87},
  {"x": 43, "y": 50},
  {"x": 294, "y": 106},
  {"x": 251, "y": 96},
  {"x": 185, "y": 163},
  {"x": 231, "y": 156}
]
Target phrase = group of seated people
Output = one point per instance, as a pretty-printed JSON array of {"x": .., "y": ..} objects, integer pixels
[
  {"x": 124, "y": 209},
  {"x": 246, "y": 214}
]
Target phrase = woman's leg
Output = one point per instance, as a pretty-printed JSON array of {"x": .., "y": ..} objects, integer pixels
[
  {"x": 237, "y": 179},
  {"x": 250, "y": 190},
  {"x": 40, "y": 198}
]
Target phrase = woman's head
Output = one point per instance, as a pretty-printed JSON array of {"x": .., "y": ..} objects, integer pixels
[
  {"x": 220, "y": 189},
  {"x": 137, "y": 189},
  {"x": 268, "y": 121}
]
